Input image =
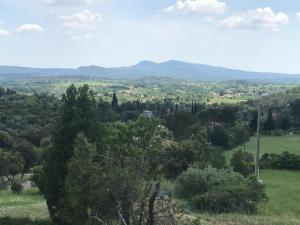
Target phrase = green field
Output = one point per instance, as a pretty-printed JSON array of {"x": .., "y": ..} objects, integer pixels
[{"x": 271, "y": 144}]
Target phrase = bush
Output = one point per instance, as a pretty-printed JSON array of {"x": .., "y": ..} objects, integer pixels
[
  {"x": 219, "y": 191},
  {"x": 16, "y": 187},
  {"x": 242, "y": 162},
  {"x": 277, "y": 133},
  {"x": 196, "y": 181},
  {"x": 242, "y": 198},
  {"x": 285, "y": 160}
]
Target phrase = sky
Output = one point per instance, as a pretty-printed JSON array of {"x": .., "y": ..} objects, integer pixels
[{"x": 256, "y": 35}]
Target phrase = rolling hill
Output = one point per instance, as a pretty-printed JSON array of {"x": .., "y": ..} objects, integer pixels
[{"x": 173, "y": 69}]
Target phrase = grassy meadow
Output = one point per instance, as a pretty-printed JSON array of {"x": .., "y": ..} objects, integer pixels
[{"x": 271, "y": 144}]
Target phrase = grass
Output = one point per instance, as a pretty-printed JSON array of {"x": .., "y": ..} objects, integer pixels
[
  {"x": 283, "y": 190},
  {"x": 271, "y": 144},
  {"x": 27, "y": 204}
]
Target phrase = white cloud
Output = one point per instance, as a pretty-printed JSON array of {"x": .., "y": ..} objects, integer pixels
[
  {"x": 84, "y": 20},
  {"x": 4, "y": 33},
  {"x": 30, "y": 28},
  {"x": 298, "y": 15},
  {"x": 263, "y": 18},
  {"x": 198, "y": 6}
]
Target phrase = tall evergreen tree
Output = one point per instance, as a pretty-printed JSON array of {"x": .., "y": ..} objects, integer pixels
[
  {"x": 269, "y": 123},
  {"x": 78, "y": 115},
  {"x": 285, "y": 122},
  {"x": 253, "y": 122},
  {"x": 114, "y": 102}
]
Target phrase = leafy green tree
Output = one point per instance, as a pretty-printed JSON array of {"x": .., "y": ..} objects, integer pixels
[
  {"x": 242, "y": 162},
  {"x": 5, "y": 140},
  {"x": 240, "y": 134},
  {"x": 26, "y": 150},
  {"x": 117, "y": 182},
  {"x": 11, "y": 164},
  {"x": 179, "y": 123},
  {"x": 219, "y": 136}
]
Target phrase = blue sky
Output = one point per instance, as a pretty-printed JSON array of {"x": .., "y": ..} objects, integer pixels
[{"x": 257, "y": 35}]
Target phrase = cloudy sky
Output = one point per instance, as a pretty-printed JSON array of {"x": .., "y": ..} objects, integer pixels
[{"x": 258, "y": 35}]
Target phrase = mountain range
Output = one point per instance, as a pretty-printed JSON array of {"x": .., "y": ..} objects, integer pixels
[{"x": 172, "y": 68}]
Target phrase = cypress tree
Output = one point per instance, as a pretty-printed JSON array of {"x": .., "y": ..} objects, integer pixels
[
  {"x": 269, "y": 124},
  {"x": 114, "y": 102},
  {"x": 78, "y": 115}
]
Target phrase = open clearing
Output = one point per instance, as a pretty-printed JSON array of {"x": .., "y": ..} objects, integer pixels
[{"x": 271, "y": 144}]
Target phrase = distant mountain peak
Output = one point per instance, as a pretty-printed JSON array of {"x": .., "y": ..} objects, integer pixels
[{"x": 172, "y": 68}]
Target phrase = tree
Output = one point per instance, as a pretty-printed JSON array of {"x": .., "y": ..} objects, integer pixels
[
  {"x": 26, "y": 150},
  {"x": 295, "y": 108},
  {"x": 114, "y": 102},
  {"x": 269, "y": 124},
  {"x": 179, "y": 122},
  {"x": 242, "y": 162},
  {"x": 5, "y": 140},
  {"x": 219, "y": 136},
  {"x": 78, "y": 183},
  {"x": 11, "y": 164},
  {"x": 285, "y": 122},
  {"x": 119, "y": 182},
  {"x": 78, "y": 115},
  {"x": 240, "y": 134},
  {"x": 253, "y": 121}
]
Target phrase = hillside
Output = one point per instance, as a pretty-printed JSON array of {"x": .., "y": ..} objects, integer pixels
[{"x": 173, "y": 69}]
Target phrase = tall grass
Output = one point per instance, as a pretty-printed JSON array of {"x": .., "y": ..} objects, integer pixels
[{"x": 29, "y": 203}]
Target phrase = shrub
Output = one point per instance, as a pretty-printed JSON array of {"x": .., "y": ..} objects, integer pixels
[
  {"x": 285, "y": 160},
  {"x": 242, "y": 198},
  {"x": 277, "y": 133},
  {"x": 197, "y": 181},
  {"x": 219, "y": 191},
  {"x": 16, "y": 187}
]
